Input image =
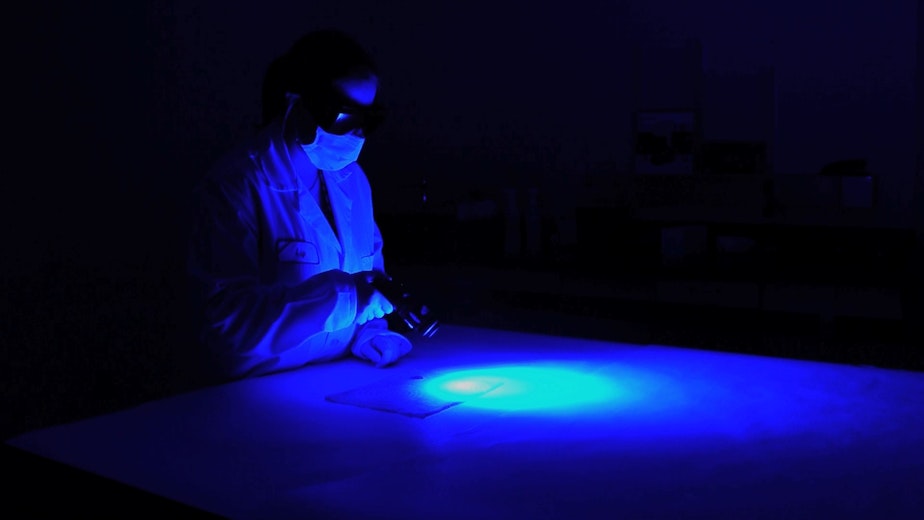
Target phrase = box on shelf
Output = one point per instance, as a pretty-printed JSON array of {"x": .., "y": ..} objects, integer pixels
[{"x": 664, "y": 142}]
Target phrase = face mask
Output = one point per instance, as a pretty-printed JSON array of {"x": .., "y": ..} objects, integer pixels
[{"x": 333, "y": 152}]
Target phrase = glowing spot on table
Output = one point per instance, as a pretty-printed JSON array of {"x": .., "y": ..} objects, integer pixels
[{"x": 520, "y": 387}]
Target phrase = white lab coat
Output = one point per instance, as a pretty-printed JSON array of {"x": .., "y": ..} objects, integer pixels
[{"x": 267, "y": 267}]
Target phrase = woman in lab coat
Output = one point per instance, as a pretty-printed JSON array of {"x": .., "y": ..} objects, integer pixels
[{"x": 284, "y": 240}]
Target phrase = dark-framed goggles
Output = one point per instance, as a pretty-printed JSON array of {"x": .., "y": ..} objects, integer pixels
[{"x": 343, "y": 119}]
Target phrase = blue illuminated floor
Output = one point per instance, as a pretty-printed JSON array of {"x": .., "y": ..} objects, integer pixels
[{"x": 527, "y": 426}]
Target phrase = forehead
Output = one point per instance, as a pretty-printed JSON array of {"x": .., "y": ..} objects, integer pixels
[{"x": 359, "y": 87}]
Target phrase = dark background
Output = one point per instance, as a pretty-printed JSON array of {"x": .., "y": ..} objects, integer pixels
[{"x": 117, "y": 110}]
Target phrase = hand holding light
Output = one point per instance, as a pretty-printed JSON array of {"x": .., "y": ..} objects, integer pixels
[
  {"x": 370, "y": 303},
  {"x": 415, "y": 315}
]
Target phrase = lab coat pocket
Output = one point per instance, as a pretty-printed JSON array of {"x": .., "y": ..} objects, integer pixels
[
  {"x": 296, "y": 261},
  {"x": 297, "y": 251}
]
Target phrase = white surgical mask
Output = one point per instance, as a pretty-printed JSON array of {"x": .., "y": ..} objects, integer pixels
[{"x": 333, "y": 152}]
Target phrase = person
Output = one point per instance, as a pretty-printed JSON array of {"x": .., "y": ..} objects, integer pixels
[{"x": 285, "y": 244}]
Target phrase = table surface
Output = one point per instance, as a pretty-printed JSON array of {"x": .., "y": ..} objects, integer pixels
[{"x": 571, "y": 428}]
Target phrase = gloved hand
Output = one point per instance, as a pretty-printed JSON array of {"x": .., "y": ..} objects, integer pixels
[
  {"x": 370, "y": 303},
  {"x": 383, "y": 348}
]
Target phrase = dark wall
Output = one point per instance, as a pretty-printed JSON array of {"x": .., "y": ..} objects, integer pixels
[
  {"x": 141, "y": 100},
  {"x": 517, "y": 91},
  {"x": 917, "y": 316}
]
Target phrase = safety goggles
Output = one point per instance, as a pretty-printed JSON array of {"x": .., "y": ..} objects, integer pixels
[{"x": 345, "y": 119}]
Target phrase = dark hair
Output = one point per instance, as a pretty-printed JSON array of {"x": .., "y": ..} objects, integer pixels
[{"x": 309, "y": 68}]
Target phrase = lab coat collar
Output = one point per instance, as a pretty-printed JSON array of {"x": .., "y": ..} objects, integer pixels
[
  {"x": 313, "y": 215},
  {"x": 340, "y": 201}
]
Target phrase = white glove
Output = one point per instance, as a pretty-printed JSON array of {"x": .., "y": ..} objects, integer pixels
[{"x": 383, "y": 348}]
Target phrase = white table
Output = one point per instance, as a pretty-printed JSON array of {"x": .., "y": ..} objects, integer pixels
[{"x": 576, "y": 429}]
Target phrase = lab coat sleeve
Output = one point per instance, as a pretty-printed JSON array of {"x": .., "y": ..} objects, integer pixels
[
  {"x": 372, "y": 327},
  {"x": 249, "y": 325}
]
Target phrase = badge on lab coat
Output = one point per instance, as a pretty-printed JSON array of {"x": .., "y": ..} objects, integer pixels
[{"x": 297, "y": 251}]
